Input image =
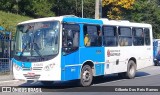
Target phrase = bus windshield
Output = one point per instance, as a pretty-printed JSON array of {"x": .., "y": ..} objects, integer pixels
[{"x": 37, "y": 39}]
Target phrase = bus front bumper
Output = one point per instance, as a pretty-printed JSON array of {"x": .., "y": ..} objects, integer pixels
[{"x": 52, "y": 75}]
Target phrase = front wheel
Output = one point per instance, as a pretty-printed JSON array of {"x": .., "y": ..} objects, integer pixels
[{"x": 86, "y": 76}]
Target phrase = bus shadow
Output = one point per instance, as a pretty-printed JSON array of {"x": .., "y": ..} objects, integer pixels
[
  {"x": 114, "y": 77},
  {"x": 61, "y": 86},
  {"x": 141, "y": 74}
]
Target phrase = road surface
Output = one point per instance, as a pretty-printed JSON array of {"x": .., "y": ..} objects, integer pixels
[{"x": 146, "y": 77}]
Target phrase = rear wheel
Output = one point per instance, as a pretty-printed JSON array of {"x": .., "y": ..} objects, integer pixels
[
  {"x": 47, "y": 83},
  {"x": 86, "y": 76},
  {"x": 131, "y": 70}
]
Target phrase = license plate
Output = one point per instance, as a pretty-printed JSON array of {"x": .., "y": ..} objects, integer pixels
[{"x": 31, "y": 74}]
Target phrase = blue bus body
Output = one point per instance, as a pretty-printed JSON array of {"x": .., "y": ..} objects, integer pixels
[
  {"x": 156, "y": 51},
  {"x": 73, "y": 62}
]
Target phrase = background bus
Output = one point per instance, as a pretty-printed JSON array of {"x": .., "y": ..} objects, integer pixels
[
  {"x": 156, "y": 51},
  {"x": 68, "y": 47}
]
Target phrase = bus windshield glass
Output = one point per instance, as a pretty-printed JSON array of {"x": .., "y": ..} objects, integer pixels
[{"x": 37, "y": 39}]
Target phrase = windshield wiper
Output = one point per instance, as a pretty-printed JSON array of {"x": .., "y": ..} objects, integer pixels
[{"x": 24, "y": 49}]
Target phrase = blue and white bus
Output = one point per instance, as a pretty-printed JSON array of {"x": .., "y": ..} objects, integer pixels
[{"x": 68, "y": 47}]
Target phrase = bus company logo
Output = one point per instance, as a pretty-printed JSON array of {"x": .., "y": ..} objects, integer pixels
[
  {"x": 108, "y": 53},
  {"x": 113, "y": 53}
]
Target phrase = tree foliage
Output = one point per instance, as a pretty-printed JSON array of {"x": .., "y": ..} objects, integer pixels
[
  {"x": 36, "y": 8},
  {"x": 8, "y": 5},
  {"x": 117, "y": 7},
  {"x": 74, "y": 7},
  {"x": 147, "y": 11},
  {"x": 9, "y": 21}
]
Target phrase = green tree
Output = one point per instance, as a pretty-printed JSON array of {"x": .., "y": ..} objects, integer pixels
[
  {"x": 147, "y": 11},
  {"x": 74, "y": 7},
  {"x": 8, "y": 6},
  {"x": 36, "y": 8}
]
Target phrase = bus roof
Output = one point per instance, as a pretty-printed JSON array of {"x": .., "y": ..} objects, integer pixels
[
  {"x": 124, "y": 23},
  {"x": 67, "y": 19},
  {"x": 42, "y": 19},
  {"x": 75, "y": 19},
  {"x": 82, "y": 20}
]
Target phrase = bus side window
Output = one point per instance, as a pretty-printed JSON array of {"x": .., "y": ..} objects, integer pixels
[
  {"x": 147, "y": 36},
  {"x": 125, "y": 37},
  {"x": 70, "y": 38},
  {"x": 92, "y": 35},
  {"x": 138, "y": 36},
  {"x": 110, "y": 36}
]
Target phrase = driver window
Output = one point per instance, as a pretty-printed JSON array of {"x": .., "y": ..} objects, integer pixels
[{"x": 70, "y": 38}]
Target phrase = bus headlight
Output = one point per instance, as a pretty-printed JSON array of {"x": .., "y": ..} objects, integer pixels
[
  {"x": 48, "y": 67},
  {"x": 16, "y": 67}
]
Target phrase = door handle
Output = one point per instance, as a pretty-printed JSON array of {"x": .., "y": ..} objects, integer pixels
[{"x": 117, "y": 61}]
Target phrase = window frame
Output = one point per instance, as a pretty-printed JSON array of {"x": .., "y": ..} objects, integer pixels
[
  {"x": 71, "y": 48},
  {"x": 119, "y": 36},
  {"x": 147, "y": 37},
  {"x": 137, "y": 36},
  {"x": 116, "y": 35},
  {"x": 86, "y": 32}
]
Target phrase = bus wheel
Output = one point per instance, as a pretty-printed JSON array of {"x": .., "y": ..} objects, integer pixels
[
  {"x": 131, "y": 70},
  {"x": 156, "y": 63},
  {"x": 86, "y": 76},
  {"x": 47, "y": 83}
]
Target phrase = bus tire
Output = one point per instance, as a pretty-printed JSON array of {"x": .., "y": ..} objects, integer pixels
[
  {"x": 156, "y": 63},
  {"x": 86, "y": 76},
  {"x": 131, "y": 70},
  {"x": 47, "y": 83}
]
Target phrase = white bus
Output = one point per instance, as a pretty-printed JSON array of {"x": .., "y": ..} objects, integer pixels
[{"x": 68, "y": 48}]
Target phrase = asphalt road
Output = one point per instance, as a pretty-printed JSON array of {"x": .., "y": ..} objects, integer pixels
[{"x": 146, "y": 77}]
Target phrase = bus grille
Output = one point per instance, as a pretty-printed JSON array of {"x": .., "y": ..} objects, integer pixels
[
  {"x": 33, "y": 69},
  {"x": 37, "y": 68},
  {"x": 32, "y": 77}
]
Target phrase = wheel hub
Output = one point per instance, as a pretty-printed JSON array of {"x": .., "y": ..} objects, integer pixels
[
  {"x": 86, "y": 75},
  {"x": 132, "y": 70}
]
